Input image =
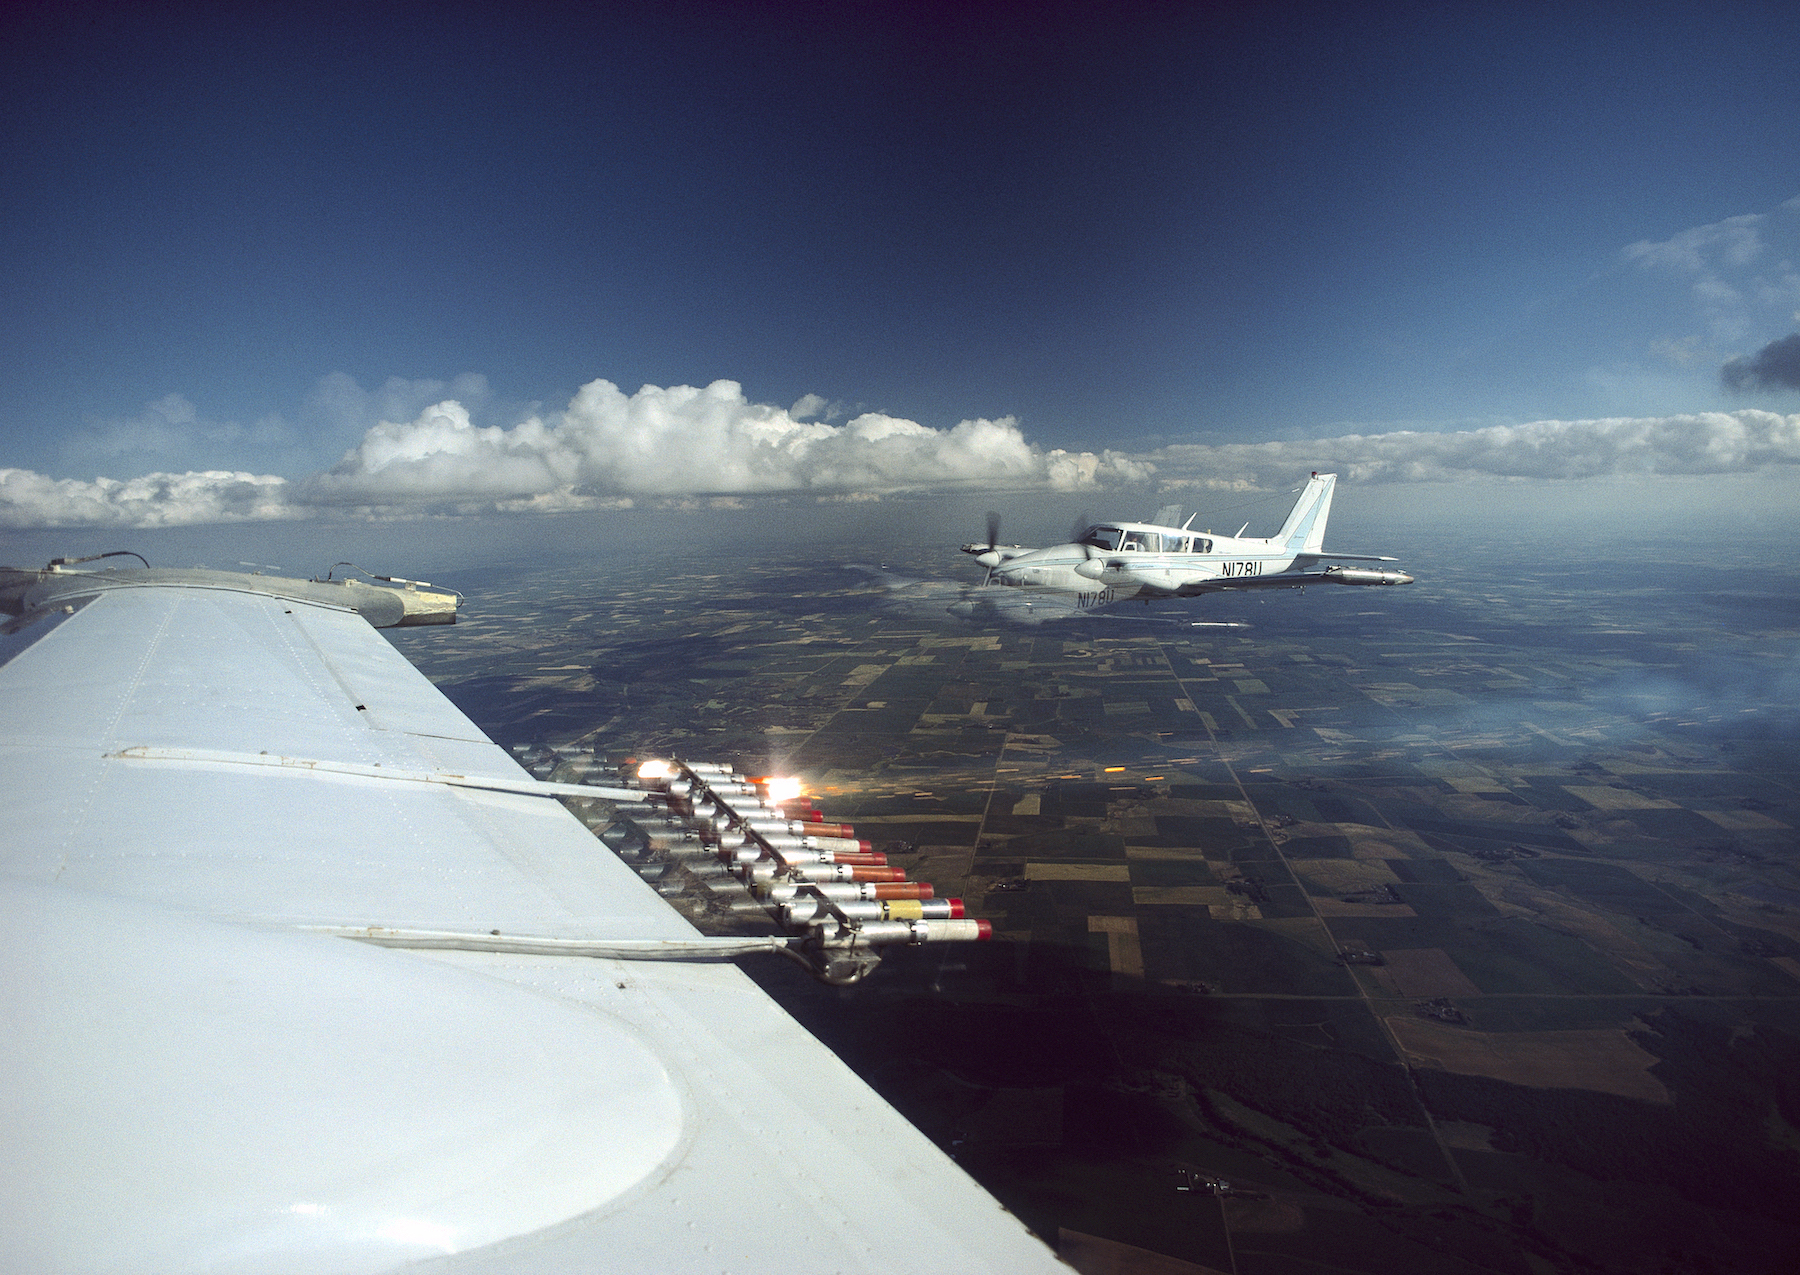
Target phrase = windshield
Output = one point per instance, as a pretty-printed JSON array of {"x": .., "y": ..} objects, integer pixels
[{"x": 1101, "y": 538}]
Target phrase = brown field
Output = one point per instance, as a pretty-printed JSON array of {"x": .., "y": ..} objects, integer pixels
[
  {"x": 1187, "y": 895},
  {"x": 1343, "y": 876},
  {"x": 1618, "y": 798},
  {"x": 1077, "y": 872},
  {"x": 1424, "y": 972},
  {"x": 1337, "y": 907},
  {"x": 1605, "y": 1060},
  {"x": 1271, "y": 1216}
]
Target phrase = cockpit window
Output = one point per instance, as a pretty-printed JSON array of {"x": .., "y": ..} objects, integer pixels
[
  {"x": 1106, "y": 538},
  {"x": 1143, "y": 541}
]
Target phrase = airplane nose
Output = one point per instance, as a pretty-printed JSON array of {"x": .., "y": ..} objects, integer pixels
[{"x": 1403, "y": 578}]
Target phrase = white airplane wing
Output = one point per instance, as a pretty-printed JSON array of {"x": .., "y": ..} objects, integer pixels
[{"x": 206, "y": 783}]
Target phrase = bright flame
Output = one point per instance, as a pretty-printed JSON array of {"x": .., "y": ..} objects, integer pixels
[
  {"x": 784, "y": 789},
  {"x": 653, "y": 769}
]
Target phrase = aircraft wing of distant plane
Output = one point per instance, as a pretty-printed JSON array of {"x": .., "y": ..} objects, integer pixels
[
  {"x": 935, "y": 599},
  {"x": 210, "y": 785}
]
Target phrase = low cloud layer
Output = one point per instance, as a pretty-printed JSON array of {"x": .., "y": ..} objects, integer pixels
[
  {"x": 1774, "y": 367},
  {"x": 1702, "y": 443},
  {"x": 28, "y": 499},
  {"x": 611, "y": 450}
]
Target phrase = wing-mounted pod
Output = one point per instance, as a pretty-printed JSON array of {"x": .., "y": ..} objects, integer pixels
[
  {"x": 1364, "y": 575},
  {"x": 839, "y": 901}
]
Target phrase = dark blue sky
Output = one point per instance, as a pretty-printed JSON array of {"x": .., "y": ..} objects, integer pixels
[{"x": 1115, "y": 222}]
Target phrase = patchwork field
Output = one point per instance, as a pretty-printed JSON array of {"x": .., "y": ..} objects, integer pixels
[{"x": 1457, "y": 928}]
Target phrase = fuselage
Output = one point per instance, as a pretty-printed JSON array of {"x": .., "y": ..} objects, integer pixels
[{"x": 1114, "y": 562}]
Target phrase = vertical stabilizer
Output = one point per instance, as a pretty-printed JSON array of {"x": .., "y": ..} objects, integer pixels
[{"x": 1304, "y": 530}]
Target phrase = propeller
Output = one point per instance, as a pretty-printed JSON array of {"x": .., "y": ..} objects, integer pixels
[{"x": 991, "y": 558}]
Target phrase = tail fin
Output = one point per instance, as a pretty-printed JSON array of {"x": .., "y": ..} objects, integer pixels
[{"x": 1304, "y": 530}]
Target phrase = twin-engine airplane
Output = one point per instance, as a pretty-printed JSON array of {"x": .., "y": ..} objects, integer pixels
[
  {"x": 1120, "y": 561},
  {"x": 304, "y": 974}
]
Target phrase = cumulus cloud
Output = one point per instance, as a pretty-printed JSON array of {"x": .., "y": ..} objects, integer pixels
[
  {"x": 1741, "y": 272},
  {"x": 1702, "y": 443},
  {"x": 28, "y": 499},
  {"x": 811, "y": 405},
  {"x": 169, "y": 431},
  {"x": 340, "y": 409},
  {"x": 1774, "y": 367},
  {"x": 684, "y": 440},
  {"x": 1736, "y": 241}
]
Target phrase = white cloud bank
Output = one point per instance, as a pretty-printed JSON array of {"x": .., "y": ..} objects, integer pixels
[
  {"x": 687, "y": 441},
  {"x": 608, "y": 448},
  {"x": 1696, "y": 444},
  {"x": 28, "y": 499}
]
